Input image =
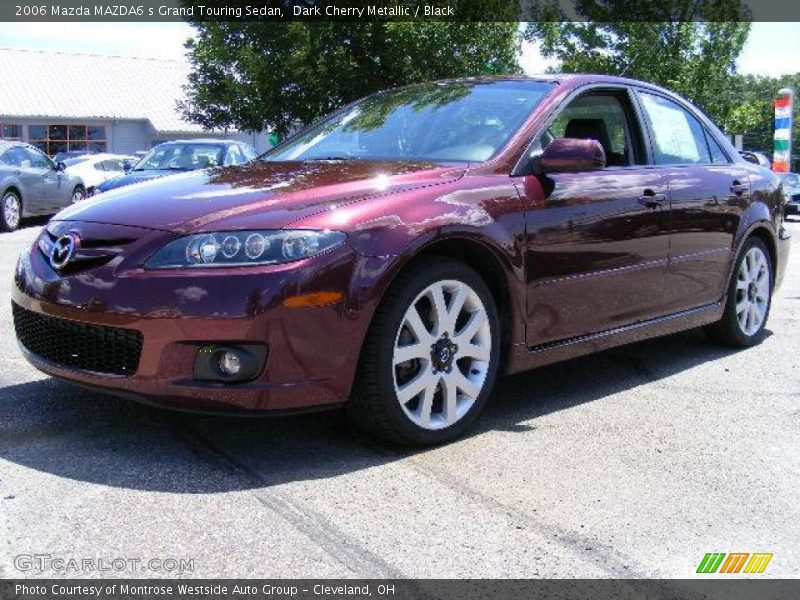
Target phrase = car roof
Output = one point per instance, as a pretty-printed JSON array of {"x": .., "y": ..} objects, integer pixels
[
  {"x": 201, "y": 141},
  {"x": 574, "y": 79},
  {"x": 105, "y": 156},
  {"x": 5, "y": 144}
]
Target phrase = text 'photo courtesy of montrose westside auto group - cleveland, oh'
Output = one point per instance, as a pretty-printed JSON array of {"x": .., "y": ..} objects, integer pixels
[{"x": 406, "y": 299}]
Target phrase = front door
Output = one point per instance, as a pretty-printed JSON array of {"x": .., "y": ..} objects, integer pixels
[
  {"x": 31, "y": 180},
  {"x": 51, "y": 188},
  {"x": 597, "y": 242}
]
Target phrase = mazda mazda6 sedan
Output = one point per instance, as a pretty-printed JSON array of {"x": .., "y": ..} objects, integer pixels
[{"x": 399, "y": 255}]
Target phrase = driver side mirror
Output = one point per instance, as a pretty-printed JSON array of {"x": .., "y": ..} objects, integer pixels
[
  {"x": 570, "y": 155},
  {"x": 60, "y": 166}
]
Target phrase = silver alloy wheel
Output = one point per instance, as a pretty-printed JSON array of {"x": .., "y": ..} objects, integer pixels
[
  {"x": 11, "y": 210},
  {"x": 77, "y": 196},
  {"x": 441, "y": 354},
  {"x": 752, "y": 291}
]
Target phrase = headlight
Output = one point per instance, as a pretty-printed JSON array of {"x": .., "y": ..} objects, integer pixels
[{"x": 243, "y": 248}]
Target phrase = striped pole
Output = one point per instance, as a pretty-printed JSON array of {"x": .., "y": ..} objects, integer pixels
[{"x": 782, "y": 155}]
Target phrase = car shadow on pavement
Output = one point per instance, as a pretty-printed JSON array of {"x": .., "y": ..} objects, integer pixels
[
  {"x": 32, "y": 222},
  {"x": 63, "y": 430}
]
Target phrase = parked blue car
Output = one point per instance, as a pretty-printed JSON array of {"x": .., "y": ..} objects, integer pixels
[{"x": 179, "y": 156}]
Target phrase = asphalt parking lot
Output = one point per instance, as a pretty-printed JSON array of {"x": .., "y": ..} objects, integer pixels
[{"x": 632, "y": 463}]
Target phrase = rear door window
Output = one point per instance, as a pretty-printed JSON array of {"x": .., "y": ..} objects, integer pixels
[{"x": 678, "y": 137}]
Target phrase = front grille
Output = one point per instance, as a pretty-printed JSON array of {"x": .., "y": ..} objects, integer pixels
[
  {"x": 90, "y": 252},
  {"x": 96, "y": 348}
]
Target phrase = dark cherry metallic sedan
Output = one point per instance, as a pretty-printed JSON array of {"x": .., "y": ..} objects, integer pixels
[{"x": 397, "y": 256}]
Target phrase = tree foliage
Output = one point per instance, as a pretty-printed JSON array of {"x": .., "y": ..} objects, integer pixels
[
  {"x": 656, "y": 41},
  {"x": 753, "y": 114},
  {"x": 254, "y": 76}
]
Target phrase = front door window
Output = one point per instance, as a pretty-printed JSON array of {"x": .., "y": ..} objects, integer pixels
[{"x": 601, "y": 117}]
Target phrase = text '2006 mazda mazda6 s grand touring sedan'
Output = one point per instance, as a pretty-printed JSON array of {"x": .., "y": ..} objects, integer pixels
[{"x": 399, "y": 255}]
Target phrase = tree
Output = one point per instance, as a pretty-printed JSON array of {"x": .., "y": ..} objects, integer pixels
[
  {"x": 254, "y": 76},
  {"x": 753, "y": 114},
  {"x": 655, "y": 41}
]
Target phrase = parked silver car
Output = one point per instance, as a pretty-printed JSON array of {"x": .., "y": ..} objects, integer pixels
[
  {"x": 31, "y": 184},
  {"x": 791, "y": 189}
]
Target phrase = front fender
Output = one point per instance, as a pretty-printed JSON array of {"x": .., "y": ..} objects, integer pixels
[{"x": 477, "y": 215}]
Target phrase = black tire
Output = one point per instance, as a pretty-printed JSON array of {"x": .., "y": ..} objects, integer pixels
[
  {"x": 728, "y": 331},
  {"x": 374, "y": 407},
  {"x": 5, "y": 223},
  {"x": 78, "y": 190}
]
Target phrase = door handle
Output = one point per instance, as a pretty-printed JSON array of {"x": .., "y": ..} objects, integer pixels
[
  {"x": 739, "y": 188},
  {"x": 650, "y": 199}
]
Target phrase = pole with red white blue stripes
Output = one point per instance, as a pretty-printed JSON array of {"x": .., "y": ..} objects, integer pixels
[{"x": 782, "y": 155}]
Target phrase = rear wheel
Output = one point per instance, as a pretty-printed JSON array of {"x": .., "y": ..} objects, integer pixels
[
  {"x": 430, "y": 358},
  {"x": 10, "y": 211},
  {"x": 749, "y": 298}
]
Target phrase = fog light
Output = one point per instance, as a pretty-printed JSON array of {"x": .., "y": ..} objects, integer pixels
[{"x": 229, "y": 363}]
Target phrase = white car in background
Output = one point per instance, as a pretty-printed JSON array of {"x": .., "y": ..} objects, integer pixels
[
  {"x": 757, "y": 158},
  {"x": 94, "y": 169}
]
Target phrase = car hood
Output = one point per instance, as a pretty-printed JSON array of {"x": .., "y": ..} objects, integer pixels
[
  {"x": 259, "y": 195},
  {"x": 134, "y": 177}
]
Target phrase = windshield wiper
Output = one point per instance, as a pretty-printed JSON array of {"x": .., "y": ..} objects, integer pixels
[{"x": 333, "y": 157}]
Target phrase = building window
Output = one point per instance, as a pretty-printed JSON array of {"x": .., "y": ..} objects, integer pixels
[
  {"x": 10, "y": 132},
  {"x": 52, "y": 139}
]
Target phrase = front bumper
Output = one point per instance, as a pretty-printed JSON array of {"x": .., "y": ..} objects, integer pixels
[{"x": 312, "y": 352}]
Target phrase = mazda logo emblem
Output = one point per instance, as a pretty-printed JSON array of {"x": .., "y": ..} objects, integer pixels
[{"x": 63, "y": 249}]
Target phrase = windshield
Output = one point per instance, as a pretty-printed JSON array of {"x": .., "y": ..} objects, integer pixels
[
  {"x": 452, "y": 121},
  {"x": 182, "y": 157}
]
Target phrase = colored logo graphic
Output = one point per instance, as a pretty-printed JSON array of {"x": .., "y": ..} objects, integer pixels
[{"x": 736, "y": 562}]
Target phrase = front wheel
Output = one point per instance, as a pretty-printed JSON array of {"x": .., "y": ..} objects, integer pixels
[
  {"x": 78, "y": 194},
  {"x": 431, "y": 356},
  {"x": 749, "y": 298}
]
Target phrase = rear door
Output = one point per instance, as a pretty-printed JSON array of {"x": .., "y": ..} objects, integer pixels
[
  {"x": 709, "y": 192},
  {"x": 597, "y": 242}
]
